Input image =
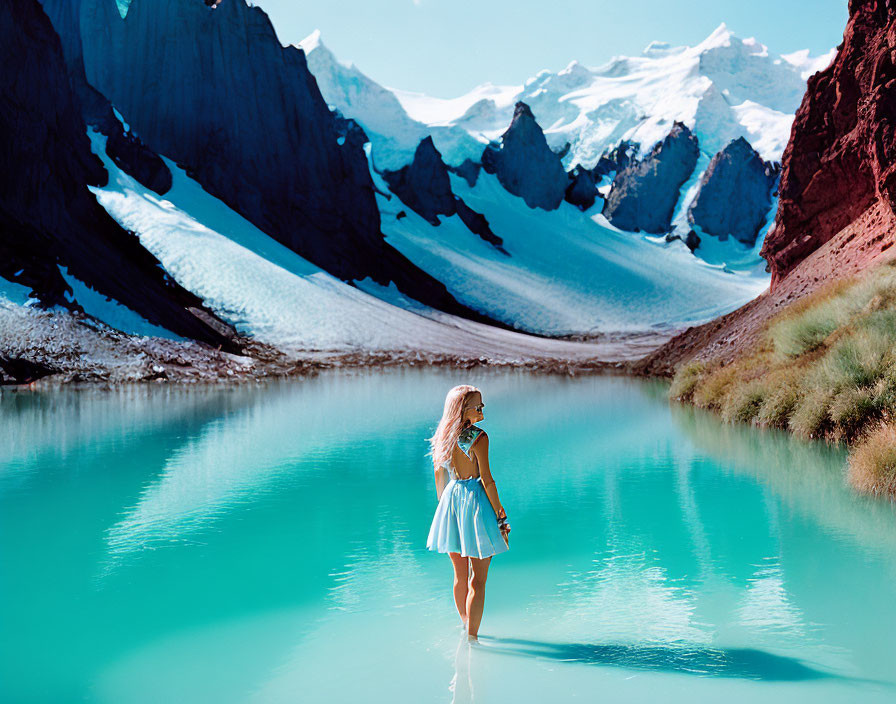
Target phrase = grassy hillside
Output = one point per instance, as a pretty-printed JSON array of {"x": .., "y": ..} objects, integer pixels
[{"x": 825, "y": 367}]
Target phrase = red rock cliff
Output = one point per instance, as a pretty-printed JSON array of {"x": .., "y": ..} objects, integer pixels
[
  {"x": 841, "y": 158},
  {"x": 837, "y": 209}
]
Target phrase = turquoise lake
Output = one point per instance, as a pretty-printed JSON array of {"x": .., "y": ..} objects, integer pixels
[{"x": 267, "y": 544}]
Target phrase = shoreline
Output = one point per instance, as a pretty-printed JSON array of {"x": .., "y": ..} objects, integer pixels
[
  {"x": 57, "y": 350},
  {"x": 301, "y": 369}
]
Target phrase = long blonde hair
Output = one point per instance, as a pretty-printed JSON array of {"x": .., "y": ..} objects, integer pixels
[{"x": 442, "y": 442}]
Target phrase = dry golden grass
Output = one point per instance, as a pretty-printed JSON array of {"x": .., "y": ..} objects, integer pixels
[
  {"x": 810, "y": 418},
  {"x": 872, "y": 462},
  {"x": 713, "y": 386},
  {"x": 686, "y": 381},
  {"x": 785, "y": 387},
  {"x": 851, "y": 410},
  {"x": 825, "y": 368},
  {"x": 743, "y": 401}
]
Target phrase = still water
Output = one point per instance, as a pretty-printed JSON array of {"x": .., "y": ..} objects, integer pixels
[{"x": 268, "y": 545}]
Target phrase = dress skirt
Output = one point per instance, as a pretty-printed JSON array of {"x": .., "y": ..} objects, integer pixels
[{"x": 465, "y": 521}]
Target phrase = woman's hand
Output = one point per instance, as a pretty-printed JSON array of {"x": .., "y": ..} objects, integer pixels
[{"x": 502, "y": 522}]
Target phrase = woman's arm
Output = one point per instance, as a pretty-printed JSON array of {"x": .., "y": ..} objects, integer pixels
[
  {"x": 480, "y": 446},
  {"x": 441, "y": 475}
]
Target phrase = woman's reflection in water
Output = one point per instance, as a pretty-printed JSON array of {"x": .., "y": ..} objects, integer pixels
[{"x": 462, "y": 683}]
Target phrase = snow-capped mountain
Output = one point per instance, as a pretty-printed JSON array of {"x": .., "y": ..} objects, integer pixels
[
  {"x": 722, "y": 88},
  {"x": 567, "y": 272},
  {"x": 394, "y": 133},
  {"x": 726, "y": 91},
  {"x": 324, "y": 215}
]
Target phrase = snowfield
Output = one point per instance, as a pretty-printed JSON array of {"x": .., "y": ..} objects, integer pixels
[
  {"x": 394, "y": 134},
  {"x": 275, "y": 296},
  {"x": 568, "y": 273}
]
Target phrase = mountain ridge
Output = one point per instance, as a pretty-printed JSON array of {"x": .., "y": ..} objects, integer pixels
[{"x": 838, "y": 192}]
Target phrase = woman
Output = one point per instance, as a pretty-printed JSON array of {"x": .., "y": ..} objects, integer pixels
[{"x": 469, "y": 524}]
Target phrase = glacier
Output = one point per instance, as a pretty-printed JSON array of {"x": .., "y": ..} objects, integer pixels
[
  {"x": 582, "y": 278},
  {"x": 269, "y": 292}
]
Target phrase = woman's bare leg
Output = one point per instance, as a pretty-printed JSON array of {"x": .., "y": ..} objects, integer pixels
[
  {"x": 476, "y": 597},
  {"x": 461, "y": 577}
]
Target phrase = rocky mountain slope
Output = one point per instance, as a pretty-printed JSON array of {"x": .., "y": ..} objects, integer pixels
[
  {"x": 213, "y": 89},
  {"x": 55, "y": 237},
  {"x": 725, "y": 91},
  {"x": 836, "y": 214},
  {"x": 283, "y": 198},
  {"x": 841, "y": 158}
]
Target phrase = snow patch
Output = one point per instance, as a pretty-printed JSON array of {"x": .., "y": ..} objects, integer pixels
[
  {"x": 271, "y": 293},
  {"x": 567, "y": 273},
  {"x": 15, "y": 293}
]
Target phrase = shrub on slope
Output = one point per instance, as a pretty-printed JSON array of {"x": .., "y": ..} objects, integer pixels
[{"x": 825, "y": 368}]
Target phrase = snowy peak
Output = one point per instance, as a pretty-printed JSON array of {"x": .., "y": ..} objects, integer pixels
[
  {"x": 312, "y": 42},
  {"x": 721, "y": 36},
  {"x": 656, "y": 49},
  {"x": 808, "y": 65},
  {"x": 394, "y": 134},
  {"x": 745, "y": 91}
]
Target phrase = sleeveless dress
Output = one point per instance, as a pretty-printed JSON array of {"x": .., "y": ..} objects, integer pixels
[{"x": 465, "y": 521}]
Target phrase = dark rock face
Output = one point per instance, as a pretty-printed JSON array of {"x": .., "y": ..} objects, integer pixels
[
  {"x": 346, "y": 128},
  {"x": 423, "y": 185},
  {"x": 478, "y": 225},
  {"x": 214, "y": 90},
  {"x": 135, "y": 158},
  {"x": 735, "y": 193},
  {"x": 124, "y": 148},
  {"x": 614, "y": 159},
  {"x": 468, "y": 171},
  {"x": 525, "y": 164},
  {"x": 582, "y": 191},
  {"x": 48, "y": 217},
  {"x": 841, "y": 157},
  {"x": 691, "y": 240},
  {"x": 563, "y": 151},
  {"x": 14, "y": 370},
  {"x": 644, "y": 192}
]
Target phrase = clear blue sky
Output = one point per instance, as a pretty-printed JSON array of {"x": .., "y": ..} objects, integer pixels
[{"x": 446, "y": 47}]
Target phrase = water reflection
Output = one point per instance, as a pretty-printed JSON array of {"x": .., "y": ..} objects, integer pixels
[
  {"x": 807, "y": 475},
  {"x": 46, "y": 427},
  {"x": 625, "y": 594},
  {"x": 238, "y": 458},
  {"x": 767, "y": 608},
  {"x": 461, "y": 686},
  {"x": 267, "y": 533}
]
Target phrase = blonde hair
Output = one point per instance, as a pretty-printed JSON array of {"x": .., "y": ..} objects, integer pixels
[{"x": 442, "y": 442}]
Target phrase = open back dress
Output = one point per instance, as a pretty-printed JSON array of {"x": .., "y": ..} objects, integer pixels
[{"x": 465, "y": 521}]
